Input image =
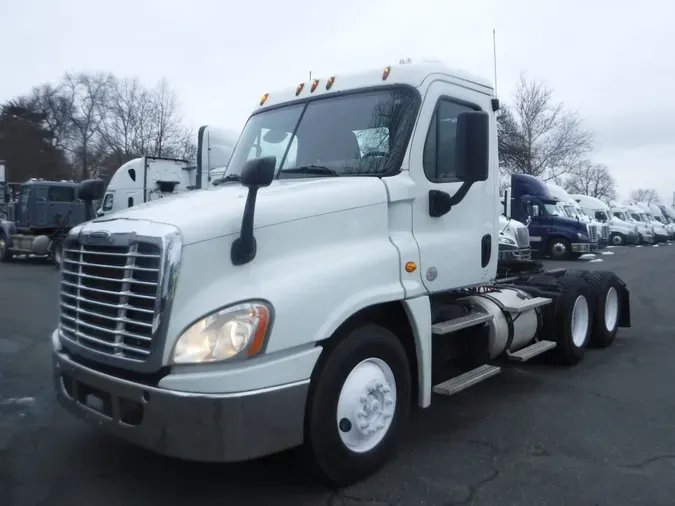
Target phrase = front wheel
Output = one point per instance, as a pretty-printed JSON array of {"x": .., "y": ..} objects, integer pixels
[
  {"x": 618, "y": 239},
  {"x": 358, "y": 405},
  {"x": 560, "y": 249},
  {"x": 5, "y": 253}
]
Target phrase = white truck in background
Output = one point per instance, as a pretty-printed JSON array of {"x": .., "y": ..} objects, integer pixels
[
  {"x": 341, "y": 274},
  {"x": 663, "y": 219},
  {"x": 658, "y": 228},
  {"x": 645, "y": 228},
  {"x": 514, "y": 240},
  {"x": 620, "y": 232},
  {"x": 151, "y": 178}
]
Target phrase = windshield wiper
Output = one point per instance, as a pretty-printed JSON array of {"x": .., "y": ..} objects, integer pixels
[
  {"x": 310, "y": 169},
  {"x": 227, "y": 179}
]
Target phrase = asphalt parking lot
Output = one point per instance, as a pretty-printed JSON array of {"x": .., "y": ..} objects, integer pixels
[{"x": 600, "y": 433}]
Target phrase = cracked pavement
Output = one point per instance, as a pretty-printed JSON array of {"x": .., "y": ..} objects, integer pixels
[{"x": 597, "y": 434}]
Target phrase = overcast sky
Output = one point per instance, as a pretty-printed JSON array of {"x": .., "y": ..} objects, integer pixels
[{"x": 609, "y": 60}]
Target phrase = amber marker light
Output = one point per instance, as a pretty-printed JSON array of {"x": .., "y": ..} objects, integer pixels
[
  {"x": 410, "y": 267},
  {"x": 298, "y": 90},
  {"x": 386, "y": 72},
  {"x": 315, "y": 83},
  {"x": 264, "y": 98},
  {"x": 330, "y": 82},
  {"x": 261, "y": 331}
]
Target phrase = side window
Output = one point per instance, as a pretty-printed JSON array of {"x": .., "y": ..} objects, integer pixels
[
  {"x": 107, "y": 202},
  {"x": 439, "y": 148},
  {"x": 42, "y": 192},
  {"x": 61, "y": 194},
  {"x": 130, "y": 201}
]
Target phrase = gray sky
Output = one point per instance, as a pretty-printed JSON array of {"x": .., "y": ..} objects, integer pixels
[{"x": 609, "y": 60}]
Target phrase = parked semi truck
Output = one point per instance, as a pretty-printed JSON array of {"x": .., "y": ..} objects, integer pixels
[
  {"x": 151, "y": 178},
  {"x": 620, "y": 231},
  {"x": 39, "y": 219},
  {"x": 342, "y": 274},
  {"x": 664, "y": 227},
  {"x": 529, "y": 200},
  {"x": 514, "y": 240},
  {"x": 645, "y": 234},
  {"x": 574, "y": 210},
  {"x": 641, "y": 213}
]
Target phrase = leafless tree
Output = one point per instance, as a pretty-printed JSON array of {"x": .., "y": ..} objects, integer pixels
[
  {"x": 56, "y": 110},
  {"x": 165, "y": 118},
  {"x": 646, "y": 195},
  {"x": 592, "y": 179},
  {"x": 539, "y": 137},
  {"x": 87, "y": 99}
]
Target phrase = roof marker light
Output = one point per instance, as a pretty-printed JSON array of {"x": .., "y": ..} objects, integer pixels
[
  {"x": 386, "y": 72},
  {"x": 315, "y": 83},
  {"x": 299, "y": 89},
  {"x": 330, "y": 82},
  {"x": 264, "y": 97}
]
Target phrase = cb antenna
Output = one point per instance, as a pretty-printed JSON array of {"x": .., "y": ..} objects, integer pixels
[{"x": 494, "y": 56}]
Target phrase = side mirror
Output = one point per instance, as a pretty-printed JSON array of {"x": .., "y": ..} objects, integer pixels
[
  {"x": 258, "y": 172},
  {"x": 473, "y": 147},
  {"x": 91, "y": 189},
  {"x": 255, "y": 174}
]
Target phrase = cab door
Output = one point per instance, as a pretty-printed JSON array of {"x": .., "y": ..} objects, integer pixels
[{"x": 459, "y": 248}]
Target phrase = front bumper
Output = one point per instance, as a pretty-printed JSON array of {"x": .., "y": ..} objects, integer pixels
[
  {"x": 584, "y": 247},
  {"x": 191, "y": 426},
  {"x": 514, "y": 253}
]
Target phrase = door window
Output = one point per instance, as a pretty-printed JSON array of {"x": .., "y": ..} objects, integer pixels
[
  {"x": 440, "y": 147},
  {"x": 107, "y": 202}
]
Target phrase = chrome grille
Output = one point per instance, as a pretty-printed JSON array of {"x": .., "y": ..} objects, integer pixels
[
  {"x": 592, "y": 232},
  {"x": 108, "y": 296},
  {"x": 523, "y": 237},
  {"x": 604, "y": 232}
]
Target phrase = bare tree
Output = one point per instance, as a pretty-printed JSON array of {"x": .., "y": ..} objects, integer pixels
[
  {"x": 55, "y": 108},
  {"x": 592, "y": 179},
  {"x": 646, "y": 195},
  {"x": 538, "y": 137},
  {"x": 165, "y": 119},
  {"x": 86, "y": 96}
]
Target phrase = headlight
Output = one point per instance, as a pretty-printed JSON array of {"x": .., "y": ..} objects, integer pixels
[
  {"x": 582, "y": 237},
  {"x": 234, "y": 331},
  {"x": 506, "y": 240}
]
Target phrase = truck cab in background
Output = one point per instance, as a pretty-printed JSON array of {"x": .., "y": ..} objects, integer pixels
[
  {"x": 529, "y": 200},
  {"x": 514, "y": 240},
  {"x": 573, "y": 210},
  {"x": 620, "y": 231},
  {"x": 645, "y": 228},
  {"x": 152, "y": 178},
  {"x": 666, "y": 227},
  {"x": 658, "y": 228}
]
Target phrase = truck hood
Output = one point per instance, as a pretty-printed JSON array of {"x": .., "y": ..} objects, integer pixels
[
  {"x": 572, "y": 223},
  {"x": 206, "y": 214}
]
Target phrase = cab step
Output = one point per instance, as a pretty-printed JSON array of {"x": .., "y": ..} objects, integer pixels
[
  {"x": 463, "y": 381},
  {"x": 463, "y": 322},
  {"x": 531, "y": 351},
  {"x": 527, "y": 304}
]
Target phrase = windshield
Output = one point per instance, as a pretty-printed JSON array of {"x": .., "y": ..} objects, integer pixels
[
  {"x": 570, "y": 211},
  {"x": 620, "y": 215},
  {"x": 601, "y": 216},
  {"x": 658, "y": 218},
  {"x": 644, "y": 217},
  {"x": 362, "y": 133},
  {"x": 636, "y": 216},
  {"x": 552, "y": 209}
]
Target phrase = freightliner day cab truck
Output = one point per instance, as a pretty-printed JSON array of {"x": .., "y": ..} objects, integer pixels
[
  {"x": 514, "y": 240},
  {"x": 150, "y": 178},
  {"x": 529, "y": 200},
  {"x": 647, "y": 231},
  {"x": 620, "y": 231},
  {"x": 318, "y": 294},
  {"x": 645, "y": 235}
]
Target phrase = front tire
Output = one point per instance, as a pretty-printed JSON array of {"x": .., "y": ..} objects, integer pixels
[
  {"x": 618, "y": 239},
  {"x": 358, "y": 405},
  {"x": 559, "y": 248}
]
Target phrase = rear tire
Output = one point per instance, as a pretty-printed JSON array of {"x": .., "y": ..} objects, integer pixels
[
  {"x": 570, "y": 321},
  {"x": 358, "y": 405},
  {"x": 606, "y": 307}
]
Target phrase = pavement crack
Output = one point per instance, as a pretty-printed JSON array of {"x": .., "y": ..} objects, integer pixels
[
  {"x": 648, "y": 461},
  {"x": 472, "y": 490}
]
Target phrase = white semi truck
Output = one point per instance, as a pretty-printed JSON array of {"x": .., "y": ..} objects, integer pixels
[
  {"x": 150, "y": 178},
  {"x": 321, "y": 292},
  {"x": 620, "y": 231}
]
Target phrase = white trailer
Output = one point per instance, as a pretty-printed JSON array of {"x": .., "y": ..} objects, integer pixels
[
  {"x": 150, "y": 178},
  {"x": 345, "y": 272}
]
